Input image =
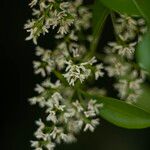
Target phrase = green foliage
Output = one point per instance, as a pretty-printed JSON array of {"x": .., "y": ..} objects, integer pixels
[
  {"x": 144, "y": 7},
  {"x": 100, "y": 14},
  {"x": 121, "y": 6},
  {"x": 143, "y": 52},
  {"x": 133, "y": 7},
  {"x": 144, "y": 100},
  {"x": 122, "y": 114},
  {"x": 115, "y": 111}
]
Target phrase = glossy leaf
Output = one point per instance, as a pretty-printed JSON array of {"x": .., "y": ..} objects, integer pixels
[
  {"x": 143, "y": 52},
  {"x": 122, "y": 114},
  {"x": 122, "y": 6},
  {"x": 100, "y": 14},
  {"x": 144, "y": 100},
  {"x": 144, "y": 8}
]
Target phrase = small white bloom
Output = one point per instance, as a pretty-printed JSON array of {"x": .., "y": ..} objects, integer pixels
[
  {"x": 33, "y": 3},
  {"x": 127, "y": 50},
  {"x": 74, "y": 48},
  {"x": 132, "y": 97},
  {"x": 40, "y": 124},
  {"x": 98, "y": 71},
  {"x": 78, "y": 106},
  {"x": 117, "y": 69},
  {"x": 39, "y": 88},
  {"x": 50, "y": 146},
  {"x": 136, "y": 84},
  {"x": 56, "y": 132},
  {"x": 56, "y": 99},
  {"x": 33, "y": 100},
  {"x": 69, "y": 113},
  {"x": 90, "y": 113},
  {"x": 95, "y": 122},
  {"x": 88, "y": 127},
  {"x": 94, "y": 106},
  {"x": 71, "y": 138},
  {"x": 80, "y": 71},
  {"x": 122, "y": 87},
  {"x": 75, "y": 126},
  {"x": 39, "y": 148},
  {"x": 34, "y": 144},
  {"x": 52, "y": 117}
]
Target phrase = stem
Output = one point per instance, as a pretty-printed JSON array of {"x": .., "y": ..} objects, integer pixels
[{"x": 60, "y": 77}]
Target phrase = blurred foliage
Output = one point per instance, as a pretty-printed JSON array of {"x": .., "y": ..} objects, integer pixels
[{"x": 117, "y": 112}]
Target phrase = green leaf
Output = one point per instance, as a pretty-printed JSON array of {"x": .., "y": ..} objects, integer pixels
[
  {"x": 100, "y": 14},
  {"x": 143, "y": 101},
  {"x": 144, "y": 8},
  {"x": 122, "y": 6},
  {"x": 143, "y": 52},
  {"x": 122, "y": 114}
]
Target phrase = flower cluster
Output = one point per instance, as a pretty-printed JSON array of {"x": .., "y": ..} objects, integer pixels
[
  {"x": 81, "y": 71},
  {"x": 64, "y": 118},
  {"x": 49, "y": 13},
  {"x": 55, "y": 14},
  {"x": 67, "y": 111},
  {"x": 127, "y": 27},
  {"x": 120, "y": 57},
  {"x": 70, "y": 63}
]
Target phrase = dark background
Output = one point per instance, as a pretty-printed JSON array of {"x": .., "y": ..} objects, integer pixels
[{"x": 17, "y": 83}]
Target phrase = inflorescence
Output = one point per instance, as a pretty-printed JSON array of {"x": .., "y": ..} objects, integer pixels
[
  {"x": 67, "y": 111},
  {"x": 67, "y": 69},
  {"x": 121, "y": 54}
]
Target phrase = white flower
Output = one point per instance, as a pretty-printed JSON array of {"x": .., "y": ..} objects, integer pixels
[
  {"x": 65, "y": 137},
  {"x": 56, "y": 132},
  {"x": 65, "y": 117},
  {"x": 90, "y": 62},
  {"x": 88, "y": 127},
  {"x": 79, "y": 71},
  {"x": 95, "y": 122},
  {"x": 50, "y": 146},
  {"x": 98, "y": 71},
  {"x": 127, "y": 50},
  {"x": 33, "y": 100},
  {"x": 39, "y": 88},
  {"x": 126, "y": 27},
  {"x": 34, "y": 144},
  {"x": 56, "y": 99},
  {"x": 39, "y": 133},
  {"x": 51, "y": 117},
  {"x": 94, "y": 106},
  {"x": 117, "y": 69},
  {"x": 122, "y": 87},
  {"x": 39, "y": 148},
  {"x": 74, "y": 48},
  {"x": 46, "y": 65},
  {"x": 64, "y": 5},
  {"x": 69, "y": 113},
  {"x": 132, "y": 97},
  {"x": 70, "y": 138},
  {"x": 33, "y": 3},
  {"x": 136, "y": 84},
  {"x": 73, "y": 36},
  {"x": 40, "y": 124},
  {"x": 47, "y": 83},
  {"x": 78, "y": 106},
  {"x": 90, "y": 113},
  {"x": 75, "y": 126}
]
